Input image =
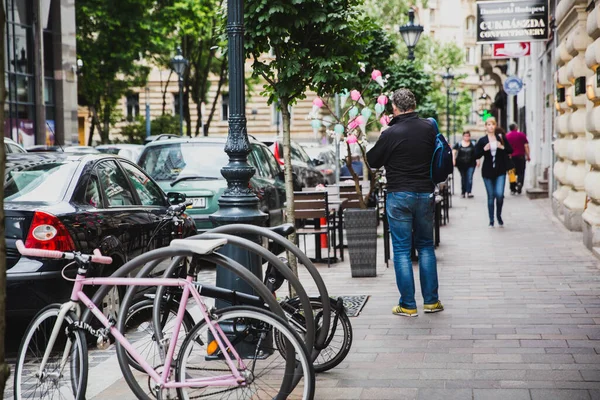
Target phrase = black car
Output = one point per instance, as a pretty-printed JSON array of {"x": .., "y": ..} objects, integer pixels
[
  {"x": 303, "y": 167},
  {"x": 58, "y": 201}
]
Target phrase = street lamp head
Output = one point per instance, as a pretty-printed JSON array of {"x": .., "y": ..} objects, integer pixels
[
  {"x": 448, "y": 78},
  {"x": 453, "y": 95},
  {"x": 179, "y": 63},
  {"x": 411, "y": 33}
]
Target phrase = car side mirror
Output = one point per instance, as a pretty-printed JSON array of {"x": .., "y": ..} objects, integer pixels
[
  {"x": 176, "y": 197},
  {"x": 317, "y": 162}
]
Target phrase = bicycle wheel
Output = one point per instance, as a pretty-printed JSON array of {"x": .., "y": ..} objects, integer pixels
[
  {"x": 140, "y": 331},
  {"x": 339, "y": 339},
  {"x": 250, "y": 331},
  {"x": 66, "y": 381}
]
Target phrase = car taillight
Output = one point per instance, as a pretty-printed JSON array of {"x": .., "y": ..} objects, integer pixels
[
  {"x": 48, "y": 233},
  {"x": 278, "y": 154}
]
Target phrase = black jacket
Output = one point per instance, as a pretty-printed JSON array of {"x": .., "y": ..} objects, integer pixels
[
  {"x": 405, "y": 149},
  {"x": 488, "y": 169}
]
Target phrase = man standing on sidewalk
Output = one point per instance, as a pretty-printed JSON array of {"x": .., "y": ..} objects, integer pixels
[
  {"x": 406, "y": 149},
  {"x": 520, "y": 156}
]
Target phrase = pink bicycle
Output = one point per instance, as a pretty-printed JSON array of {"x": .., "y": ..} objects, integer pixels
[{"x": 229, "y": 354}]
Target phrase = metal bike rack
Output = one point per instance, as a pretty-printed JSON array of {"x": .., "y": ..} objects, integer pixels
[{"x": 236, "y": 229}]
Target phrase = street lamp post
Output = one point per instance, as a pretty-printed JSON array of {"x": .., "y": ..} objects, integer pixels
[
  {"x": 448, "y": 78},
  {"x": 147, "y": 111},
  {"x": 411, "y": 34},
  {"x": 239, "y": 203},
  {"x": 179, "y": 64},
  {"x": 454, "y": 97}
]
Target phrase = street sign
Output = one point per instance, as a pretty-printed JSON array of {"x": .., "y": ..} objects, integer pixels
[
  {"x": 513, "y": 85},
  {"x": 511, "y": 50},
  {"x": 512, "y": 21}
]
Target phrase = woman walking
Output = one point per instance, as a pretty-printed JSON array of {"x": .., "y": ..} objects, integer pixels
[
  {"x": 465, "y": 161},
  {"x": 495, "y": 149}
]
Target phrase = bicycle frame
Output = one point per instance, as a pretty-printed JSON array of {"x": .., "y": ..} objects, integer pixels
[{"x": 188, "y": 286}]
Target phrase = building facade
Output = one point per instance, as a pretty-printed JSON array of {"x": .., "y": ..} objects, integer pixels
[{"x": 40, "y": 72}]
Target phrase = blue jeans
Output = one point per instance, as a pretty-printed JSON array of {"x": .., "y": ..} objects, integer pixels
[
  {"x": 466, "y": 175},
  {"x": 495, "y": 191},
  {"x": 408, "y": 212}
]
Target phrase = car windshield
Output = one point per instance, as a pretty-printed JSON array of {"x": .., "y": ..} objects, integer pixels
[
  {"x": 171, "y": 161},
  {"x": 41, "y": 183}
]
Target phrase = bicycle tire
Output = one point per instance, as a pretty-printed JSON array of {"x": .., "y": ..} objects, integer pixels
[
  {"x": 41, "y": 326},
  {"x": 339, "y": 339},
  {"x": 143, "y": 323},
  {"x": 241, "y": 316}
]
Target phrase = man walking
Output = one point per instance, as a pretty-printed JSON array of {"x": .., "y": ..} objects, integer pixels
[
  {"x": 520, "y": 156},
  {"x": 406, "y": 149}
]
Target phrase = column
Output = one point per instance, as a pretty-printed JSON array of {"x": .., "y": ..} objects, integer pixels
[{"x": 591, "y": 214}]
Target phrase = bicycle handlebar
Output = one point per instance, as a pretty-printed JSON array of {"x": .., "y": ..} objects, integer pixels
[{"x": 97, "y": 257}]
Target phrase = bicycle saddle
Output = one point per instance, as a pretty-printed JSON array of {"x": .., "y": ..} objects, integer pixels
[
  {"x": 198, "y": 246},
  {"x": 284, "y": 229}
]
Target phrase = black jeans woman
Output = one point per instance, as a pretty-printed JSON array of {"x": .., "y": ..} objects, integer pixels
[
  {"x": 465, "y": 161},
  {"x": 495, "y": 149}
]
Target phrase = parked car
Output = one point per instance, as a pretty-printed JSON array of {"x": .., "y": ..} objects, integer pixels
[
  {"x": 306, "y": 173},
  {"x": 10, "y": 146},
  {"x": 42, "y": 148},
  {"x": 193, "y": 166},
  {"x": 80, "y": 150},
  {"x": 59, "y": 201},
  {"x": 129, "y": 151},
  {"x": 162, "y": 136},
  {"x": 324, "y": 160}
]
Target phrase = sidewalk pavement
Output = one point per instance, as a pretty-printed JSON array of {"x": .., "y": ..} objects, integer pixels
[{"x": 521, "y": 321}]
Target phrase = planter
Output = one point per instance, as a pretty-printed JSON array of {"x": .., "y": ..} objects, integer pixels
[{"x": 361, "y": 231}]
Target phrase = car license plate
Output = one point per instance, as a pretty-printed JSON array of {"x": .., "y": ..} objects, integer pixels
[{"x": 199, "y": 202}]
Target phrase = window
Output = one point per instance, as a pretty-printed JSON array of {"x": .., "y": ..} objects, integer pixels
[
  {"x": 92, "y": 193},
  {"x": 470, "y": 27},
  {"x": 133, "y": 106},
  {"x": 275, "y": 170},
  {"x": 470, "y": 55},
  {"x": 224, "y": 106},
  {"x": 262, "y": 165},
  {"x": 148, "y": 192},
  {"x": 45, "y": 182},
  {"x": 432, "y": 15},
  {"x": 19, "y": 78},
  {"x": 114, "y": 185}
]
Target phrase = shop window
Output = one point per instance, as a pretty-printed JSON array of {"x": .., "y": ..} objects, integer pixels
[{"x": 133, "y": 106}]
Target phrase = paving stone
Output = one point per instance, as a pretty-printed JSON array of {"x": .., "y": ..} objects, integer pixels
[
  {"x": 559, "y": 394},
  {"x": 389, "y": 393},
  {"x": 501, "y": 394},
  {"x": 444, "y": 394}
]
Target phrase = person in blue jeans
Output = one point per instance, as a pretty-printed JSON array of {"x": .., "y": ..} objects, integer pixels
[
  {"x": 464, "y": 159},
  {"x": 495, "y": 150},
  {"x": 405, "y": 149}
]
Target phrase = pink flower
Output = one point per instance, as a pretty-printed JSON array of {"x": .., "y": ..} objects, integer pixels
[
  {"x": 385, "y": 120},
  {"x": 383, "y": 100},
  {"x": 318, "y": 102},
  {"x": 375, "y": 74},
  {"x": 355, "y": 95}
]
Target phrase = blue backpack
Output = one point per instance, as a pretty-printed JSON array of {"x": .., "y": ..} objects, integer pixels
[{"x": 441, "y": 163}]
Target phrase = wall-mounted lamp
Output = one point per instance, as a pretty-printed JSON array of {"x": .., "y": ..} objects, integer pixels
[{"x": 590, "y": 92}]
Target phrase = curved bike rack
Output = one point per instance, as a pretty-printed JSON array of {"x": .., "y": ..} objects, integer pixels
[
  {"x": 266, "y": 255},
  {"x": 154, "y": 257},
  {"x": 236, "y": 229}
]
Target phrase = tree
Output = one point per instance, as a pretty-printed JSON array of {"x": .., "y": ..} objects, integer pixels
[
  {"x": 4, "y": 368},
  {"x": 315, "y": 44},
  {"x": 196, "y": 26},
  {"x": 111, "y": 42}
]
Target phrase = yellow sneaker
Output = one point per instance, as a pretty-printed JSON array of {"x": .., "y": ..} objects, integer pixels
[
  {"x": 405, "y": 312},
  {"x": 435, "y": 307}
]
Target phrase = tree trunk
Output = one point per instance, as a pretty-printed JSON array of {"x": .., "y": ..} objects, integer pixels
[
  {"x": 164, "y": 93},
  {"x": 105, "y": 131},
  {"x": 217, "y": 94},
  {"x": 90, "y": 140},
  {"x": 4, "y": 368},
  {"x": 289, "y": 182}
]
